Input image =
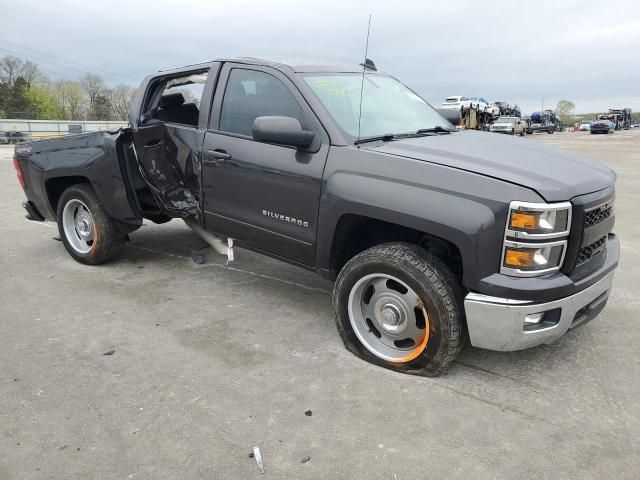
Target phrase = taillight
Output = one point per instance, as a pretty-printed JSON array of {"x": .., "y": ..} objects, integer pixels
[{"x": 16, "y": 165}]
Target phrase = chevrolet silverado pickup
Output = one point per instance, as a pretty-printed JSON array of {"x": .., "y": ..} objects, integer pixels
[{"x": 432, "y": 236}]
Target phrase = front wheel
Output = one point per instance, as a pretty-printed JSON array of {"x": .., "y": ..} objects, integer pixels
[
  {"x": 88, "y": 233},
  {"x": 398, "y": 306}
]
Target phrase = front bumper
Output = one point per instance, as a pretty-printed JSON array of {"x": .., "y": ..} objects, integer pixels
[{"x": 499, "y": 323}]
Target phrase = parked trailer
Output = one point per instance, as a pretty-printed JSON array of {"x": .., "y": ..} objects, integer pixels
[
  {"x": 622, "y": 117},
  {"x": 546, "y": 121}
]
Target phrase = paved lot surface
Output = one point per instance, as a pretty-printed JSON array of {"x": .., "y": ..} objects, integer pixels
[{"x": 210, "y": 362}]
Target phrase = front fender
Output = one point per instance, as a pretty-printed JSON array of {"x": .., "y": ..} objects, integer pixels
[{"x": 466, "y": 209}]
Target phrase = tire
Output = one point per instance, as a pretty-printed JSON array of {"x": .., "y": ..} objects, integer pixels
[
  {"x": 513, "y": 132},
  {"x": 88, "y": 233},
  {"x": 435, "y": 291},
  {"x": 522, "y": 132}
]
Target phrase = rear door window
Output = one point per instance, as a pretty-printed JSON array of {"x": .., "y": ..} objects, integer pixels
[{"x": 180, "y": 99}]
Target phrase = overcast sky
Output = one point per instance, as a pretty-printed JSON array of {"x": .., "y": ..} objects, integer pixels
[{"x": 517, "y": 51}]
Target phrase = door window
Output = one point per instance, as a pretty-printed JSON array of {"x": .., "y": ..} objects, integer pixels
[
  {"x": 180, "y": 99},
  {"x": 250, "y": 94}
]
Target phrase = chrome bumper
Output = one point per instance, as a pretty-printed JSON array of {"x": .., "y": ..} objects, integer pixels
[{"x": 499, "y": 323}]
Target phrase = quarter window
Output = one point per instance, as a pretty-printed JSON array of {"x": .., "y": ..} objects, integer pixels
[{"x": 250, "y": 94}]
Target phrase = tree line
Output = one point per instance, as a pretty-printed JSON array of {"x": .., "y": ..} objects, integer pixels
[{"x": 26, "y": 92}]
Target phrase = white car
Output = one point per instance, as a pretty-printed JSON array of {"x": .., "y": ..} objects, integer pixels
[
  {"x": 457, "y": 103},
  {"x": 493, "y": 109},
  {"x": 585, "y": 126},
  {"x": 509, "y": 125},
  {"x": 483, "y": 105}
]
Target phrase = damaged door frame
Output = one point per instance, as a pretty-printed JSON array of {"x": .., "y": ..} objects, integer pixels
[{"x": 167, "y": 141}]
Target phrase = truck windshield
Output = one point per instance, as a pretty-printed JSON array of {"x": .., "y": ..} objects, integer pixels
[{"x": 388, "y": 106}]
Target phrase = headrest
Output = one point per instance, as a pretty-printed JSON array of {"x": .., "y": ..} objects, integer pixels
[{"x": 171, "y": 100}]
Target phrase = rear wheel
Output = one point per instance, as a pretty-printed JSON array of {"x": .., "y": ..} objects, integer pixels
[
  {"x": 398, "y": 306},
  {"x": 88, "y": 233}
]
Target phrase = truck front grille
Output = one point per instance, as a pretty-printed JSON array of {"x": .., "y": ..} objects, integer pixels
[
  {"x": 596, "y": 215},
  {"x": 587, "y": 252}
]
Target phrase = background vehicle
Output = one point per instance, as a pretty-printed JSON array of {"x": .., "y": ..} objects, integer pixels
[
  {"x": 479, "y": 103},
  {"x": 457, "y": 103},
  {"x": 514, "y": 249},
  {"x": 505, "y": 108},
  {"x": 509, "y": 125},
  {"x": 603, "y": 125},
  {"x": 13, "y": 137},
  {"x": 622, "y": 117},
  {"x": 493, "y": 109},
  {"x": 585, "y": 126},
  {"x": 546, "y": 121}
]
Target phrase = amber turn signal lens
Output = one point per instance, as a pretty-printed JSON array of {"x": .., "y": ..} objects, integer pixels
[
  {"x": 525, "y": 221},
  {"x": 519, "y": 258}
]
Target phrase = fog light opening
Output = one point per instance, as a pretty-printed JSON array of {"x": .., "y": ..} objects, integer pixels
[
  {"x": 541, "y": 320},
  {"x": 533, "y": 318}
]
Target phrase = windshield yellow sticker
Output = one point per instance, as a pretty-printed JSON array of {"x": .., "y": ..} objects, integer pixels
[{"x": 337, "y": 89}]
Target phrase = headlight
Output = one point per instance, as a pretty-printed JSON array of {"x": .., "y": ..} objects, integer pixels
[
  {"x": 535, "y": 240},
  {"x": 529, "y": 259},
  {"x": 539, "y": 220}
]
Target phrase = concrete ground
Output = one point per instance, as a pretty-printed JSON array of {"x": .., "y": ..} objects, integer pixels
[{"x": 209, "y": 362}]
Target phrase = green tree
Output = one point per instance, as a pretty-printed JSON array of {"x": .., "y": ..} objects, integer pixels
[
  {"x": 14, "y": 101},
  {"x": 564, "y": 110},
  {"x": 44, "y": 100}
]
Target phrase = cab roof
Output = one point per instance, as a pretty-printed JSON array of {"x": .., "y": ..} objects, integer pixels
[{"x": 293, "y": 66}]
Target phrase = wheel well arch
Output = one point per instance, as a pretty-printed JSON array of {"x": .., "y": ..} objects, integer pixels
[
  {"x": 55, "y": 186},
  {"x": 356, "y": 233}
]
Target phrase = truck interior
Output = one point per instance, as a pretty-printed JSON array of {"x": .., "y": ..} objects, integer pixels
[{"x": 176, "y": 100}]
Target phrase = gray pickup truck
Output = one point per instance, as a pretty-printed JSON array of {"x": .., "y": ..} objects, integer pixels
[{"x": 431, "y": 235}]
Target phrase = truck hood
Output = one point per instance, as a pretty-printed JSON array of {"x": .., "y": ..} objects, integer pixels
[{"x": 555, "y": 174}]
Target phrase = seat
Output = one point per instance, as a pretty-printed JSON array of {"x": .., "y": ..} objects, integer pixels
[{"x": 173, "y": 109}]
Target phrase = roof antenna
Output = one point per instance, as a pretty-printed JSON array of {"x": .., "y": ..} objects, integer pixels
[{"x": 364, "y": 66}]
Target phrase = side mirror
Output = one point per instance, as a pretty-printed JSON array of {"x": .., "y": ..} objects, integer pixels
[
  {"x": 282, "y": 130},
  {"x": 453, "y": 116}
]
